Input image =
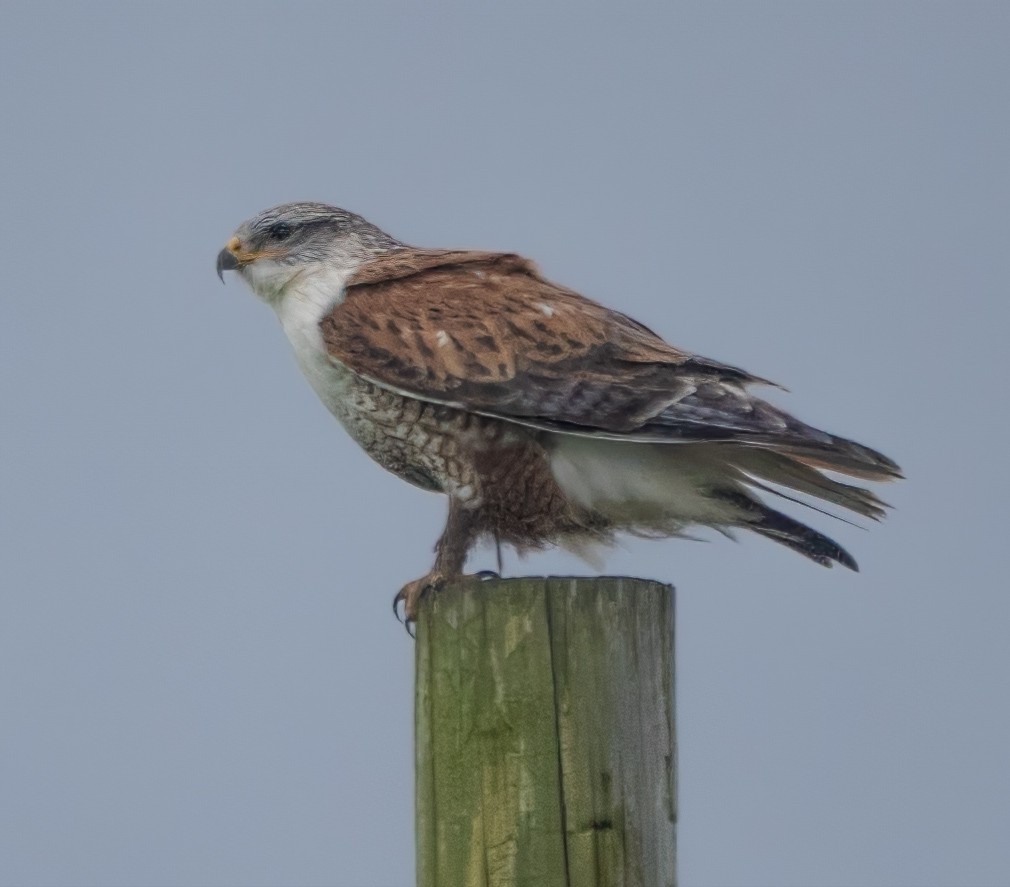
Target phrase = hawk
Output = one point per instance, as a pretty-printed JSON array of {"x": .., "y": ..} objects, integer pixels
[{"x": 544, "y": 417}]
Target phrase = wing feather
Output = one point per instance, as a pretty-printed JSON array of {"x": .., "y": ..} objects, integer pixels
[{"x": 487, "y": 333}]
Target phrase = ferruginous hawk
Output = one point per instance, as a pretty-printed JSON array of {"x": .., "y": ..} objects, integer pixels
[{"x": 546, "y": 418}]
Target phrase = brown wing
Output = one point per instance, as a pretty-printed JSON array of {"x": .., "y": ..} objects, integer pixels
[{"x": 485, "y": 332}]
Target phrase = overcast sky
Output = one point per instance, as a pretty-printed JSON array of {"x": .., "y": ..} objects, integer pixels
[{"x": 201, "y": 682}]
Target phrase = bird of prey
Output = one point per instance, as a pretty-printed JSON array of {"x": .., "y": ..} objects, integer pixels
[{"x": 545, "y": 417}]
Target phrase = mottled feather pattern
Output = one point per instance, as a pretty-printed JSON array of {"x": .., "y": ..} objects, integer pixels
[
  {"x": 545, "y": 417},
  {"x": 485, "y": 332}
]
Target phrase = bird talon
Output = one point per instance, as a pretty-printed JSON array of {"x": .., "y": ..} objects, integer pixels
[
  {"x": 411, "y": 594},
  {"x": 487, "y": 575},
  {"x": 590, "y": 368}
]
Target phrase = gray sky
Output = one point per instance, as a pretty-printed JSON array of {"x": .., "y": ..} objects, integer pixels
[{"x": 200, "y": 679}]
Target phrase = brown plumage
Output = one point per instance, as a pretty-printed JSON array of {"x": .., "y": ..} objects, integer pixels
[
  {"x": 485, "y": 332},
  {"x": 546, "y": 418}
]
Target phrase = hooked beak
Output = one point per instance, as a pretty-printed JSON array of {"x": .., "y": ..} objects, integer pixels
[{"x": 226, "y": 259}]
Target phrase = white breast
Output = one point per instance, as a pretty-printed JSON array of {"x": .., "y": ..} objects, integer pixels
[{"x": 306, "y": 300}]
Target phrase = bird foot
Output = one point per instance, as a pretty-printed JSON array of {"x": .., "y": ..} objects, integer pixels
[{"x": 411, "y": 593}]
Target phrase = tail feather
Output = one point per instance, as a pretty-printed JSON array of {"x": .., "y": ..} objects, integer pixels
[
  {"x": 720, "y": 410},
  {"x": 808, "y": 542},
  {"x": 833, "y": 453},
  {"x": 797, "y": 474},
  {"x": 854, "y": 465},
  {"x": 786, "y": 531}
]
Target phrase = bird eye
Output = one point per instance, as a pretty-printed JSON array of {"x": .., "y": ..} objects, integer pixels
[{"x": 279, "y": 231}]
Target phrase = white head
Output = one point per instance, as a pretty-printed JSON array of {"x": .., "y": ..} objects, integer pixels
[{"x": 286, "y": 242}]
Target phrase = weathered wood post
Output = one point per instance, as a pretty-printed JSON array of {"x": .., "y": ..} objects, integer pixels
[{"x": 545, "y": 741}]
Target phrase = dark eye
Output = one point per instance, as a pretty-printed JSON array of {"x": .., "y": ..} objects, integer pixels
[{"x": 279, "y": 231}]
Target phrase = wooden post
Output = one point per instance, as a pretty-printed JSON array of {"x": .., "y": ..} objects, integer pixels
[{"x": 544, "y": 734}]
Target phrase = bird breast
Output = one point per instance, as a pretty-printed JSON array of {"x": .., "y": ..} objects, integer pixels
[{"x": 425, "y": 444}]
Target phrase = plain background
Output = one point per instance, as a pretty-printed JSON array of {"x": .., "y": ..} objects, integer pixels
[{"x": 200, "y": 679}]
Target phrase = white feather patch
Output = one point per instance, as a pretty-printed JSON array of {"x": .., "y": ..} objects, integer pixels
[{"x": 648, "y": 482}]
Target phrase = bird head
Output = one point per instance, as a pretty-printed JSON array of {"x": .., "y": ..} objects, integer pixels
[{"x": 284, "y": 242}]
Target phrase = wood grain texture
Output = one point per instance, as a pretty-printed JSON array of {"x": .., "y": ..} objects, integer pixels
[{"x": 545, "y": 738}]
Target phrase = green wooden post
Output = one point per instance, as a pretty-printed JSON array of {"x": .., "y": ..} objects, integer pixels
[{"x": 544, "y": 734}]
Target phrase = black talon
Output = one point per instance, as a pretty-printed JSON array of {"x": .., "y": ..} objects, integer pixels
[
  {"x": 408, "y": 623},
  {"x": 404, "y": 621},
  {"x": 485, "y": 575}
]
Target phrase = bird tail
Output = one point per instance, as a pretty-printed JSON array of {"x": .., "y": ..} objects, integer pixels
[
  {"x": 781, "y": 528},
  {"x": 834, "y": 453},
  {"x": 800, "y": 473}
]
